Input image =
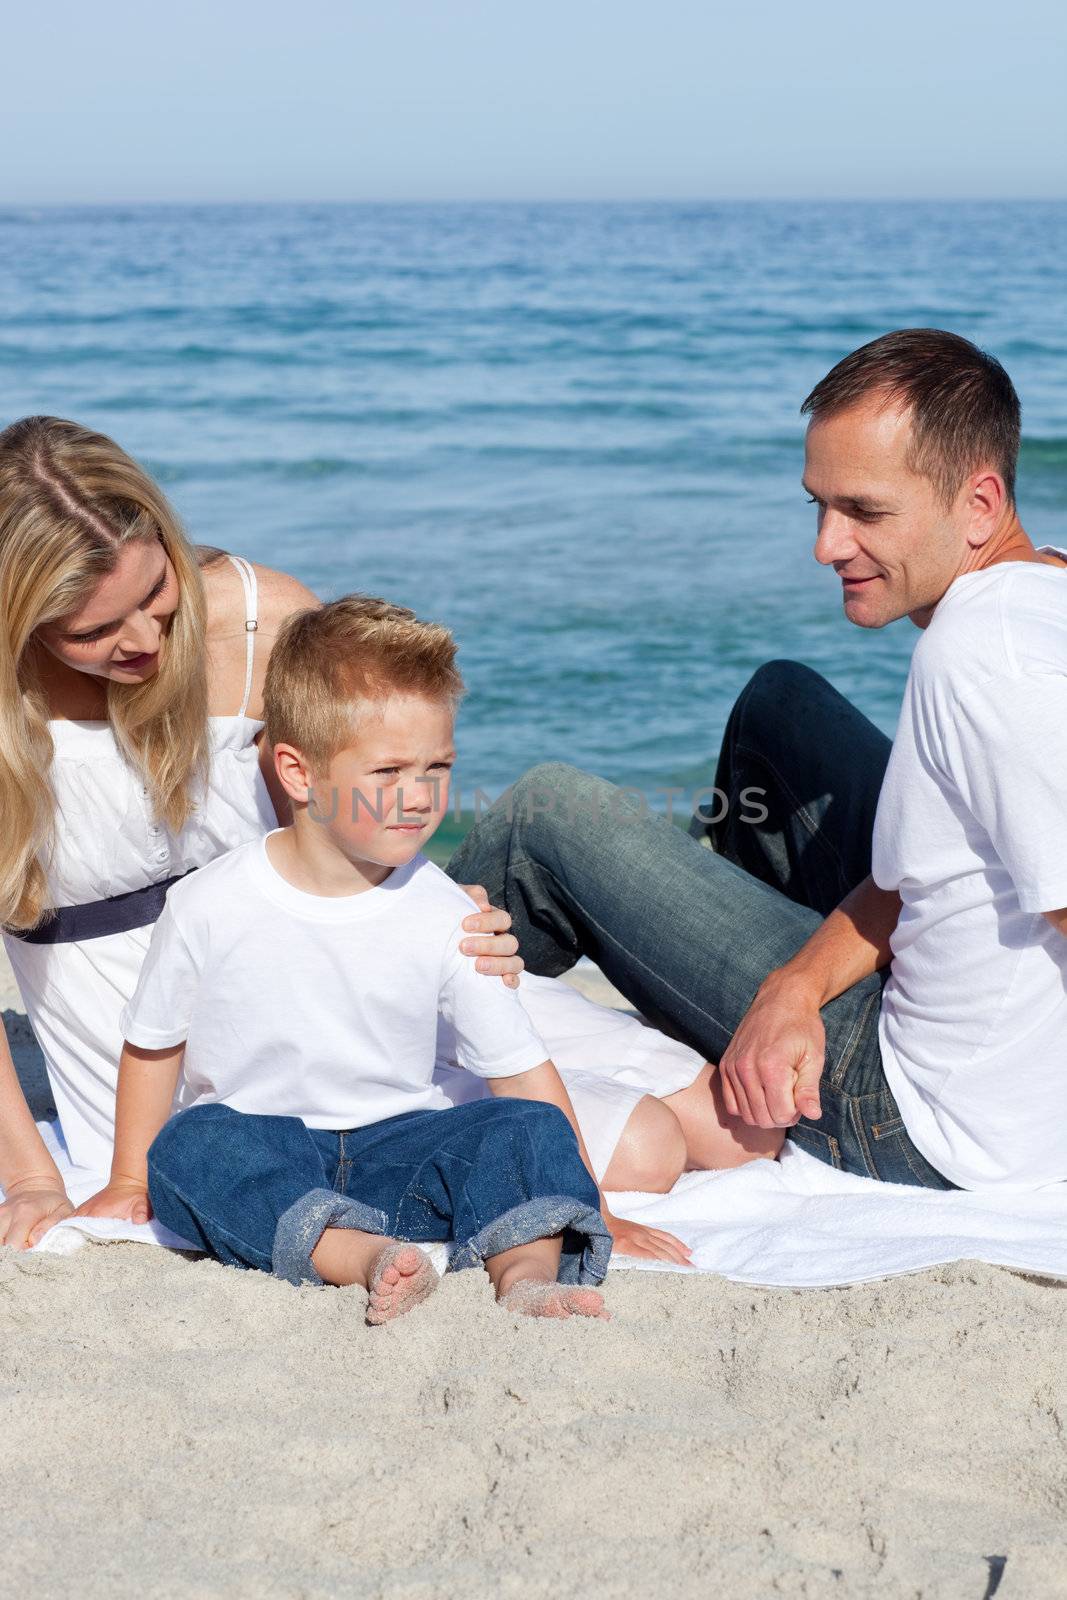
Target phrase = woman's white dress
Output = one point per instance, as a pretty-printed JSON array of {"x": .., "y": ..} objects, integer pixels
[{"x": 108, "y": 842}]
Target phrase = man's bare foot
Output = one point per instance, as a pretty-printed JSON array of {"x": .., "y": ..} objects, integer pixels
[
  {"x": 532, "y": 1298},
  {"x": 400, "y": 1278}
]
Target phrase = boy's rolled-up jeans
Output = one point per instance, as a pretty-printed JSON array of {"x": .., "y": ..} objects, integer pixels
[{"x": 258, "y": 1191}]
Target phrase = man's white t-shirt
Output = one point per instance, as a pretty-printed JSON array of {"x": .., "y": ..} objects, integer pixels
[
  {"x": 323, "y": 1008},
  {"x": 971, "y": 830}
]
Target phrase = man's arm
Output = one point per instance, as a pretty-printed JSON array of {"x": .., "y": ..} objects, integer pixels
[
  {"x": 1058, "y": 920},
  {"x": 771, "y": 1068},
  {"x": 147, "y": 1080}
]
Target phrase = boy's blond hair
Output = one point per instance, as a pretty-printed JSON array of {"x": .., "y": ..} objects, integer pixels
[{"x": 328, "y": 663}]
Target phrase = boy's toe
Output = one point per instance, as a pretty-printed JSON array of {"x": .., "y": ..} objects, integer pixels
[{"x": 401, "y": 1278}]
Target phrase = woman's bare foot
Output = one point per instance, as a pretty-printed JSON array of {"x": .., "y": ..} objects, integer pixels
[
  {"x": 532, "y": 1298},
  {"x": 400, "y": 1278}
]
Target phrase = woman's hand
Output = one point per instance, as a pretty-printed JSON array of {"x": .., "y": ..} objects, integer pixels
[
  {"x": 634, "y": 1239},
  {"x": 496, "y": 949},
  {"x": 123, "y": 1199},
  {"x": 31, "y": 1208}
]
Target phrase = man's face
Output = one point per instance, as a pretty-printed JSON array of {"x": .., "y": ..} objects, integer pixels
[{"x": 884, "y": 529}]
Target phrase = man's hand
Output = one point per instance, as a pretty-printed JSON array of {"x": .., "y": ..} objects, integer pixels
[
  {"x": 771, "y": 1068},
  {"x": 634, "y": 1239},
  {"x": 123, "y": 1198},
  {"x": 496, "y": 949},
  {"x": 30, "y": 1209}
]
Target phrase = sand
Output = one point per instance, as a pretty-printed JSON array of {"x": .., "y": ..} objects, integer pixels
[{"x": 171, "y": 1427}]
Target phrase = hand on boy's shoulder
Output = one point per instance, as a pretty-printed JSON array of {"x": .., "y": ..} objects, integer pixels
[
  {"x": 485, "y": 936},
  {"x": 438, "y": 897},
  {"x": 482, "y": 934}
]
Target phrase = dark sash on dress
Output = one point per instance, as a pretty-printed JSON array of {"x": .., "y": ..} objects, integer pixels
[{"x": 137, "y": 908}]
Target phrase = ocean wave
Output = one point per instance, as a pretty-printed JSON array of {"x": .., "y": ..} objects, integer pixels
[
  {"x": 1047, "y": 452},
  {"x": 175, "y": 472}
]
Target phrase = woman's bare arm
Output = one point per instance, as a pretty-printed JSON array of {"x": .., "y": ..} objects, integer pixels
[
  {"x": 35, "y": 1196},
  {"x": 23, "y": 1156}
]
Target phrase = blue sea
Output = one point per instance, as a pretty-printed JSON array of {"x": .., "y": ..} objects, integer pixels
[{"x": 569, "y": 431}]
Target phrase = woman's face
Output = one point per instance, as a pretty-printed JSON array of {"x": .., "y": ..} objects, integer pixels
[{"x": 117, "y": 632}]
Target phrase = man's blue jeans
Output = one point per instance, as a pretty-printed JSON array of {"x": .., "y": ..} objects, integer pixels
[
  {"x": 258, "y": 1191},
  {"x": 688, "y": 934}
]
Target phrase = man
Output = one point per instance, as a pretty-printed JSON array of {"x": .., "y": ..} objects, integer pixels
[{"x": 876, "y": 955}]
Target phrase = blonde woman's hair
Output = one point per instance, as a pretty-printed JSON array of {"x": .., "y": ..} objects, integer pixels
[
  {"x": 70, "y": 502},
  {"x": 330, "y": 664}
]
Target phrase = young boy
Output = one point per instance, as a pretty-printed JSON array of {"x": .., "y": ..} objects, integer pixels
[{"x": 298, "y": 981}]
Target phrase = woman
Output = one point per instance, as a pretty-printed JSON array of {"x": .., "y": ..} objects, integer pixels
[{"x": 123, "y": 765}]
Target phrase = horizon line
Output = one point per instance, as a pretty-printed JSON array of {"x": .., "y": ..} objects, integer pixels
[{"x": 548, "y": 200}]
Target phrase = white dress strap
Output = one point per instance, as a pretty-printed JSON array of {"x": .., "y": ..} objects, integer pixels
[{"x": 251, "y": 589}]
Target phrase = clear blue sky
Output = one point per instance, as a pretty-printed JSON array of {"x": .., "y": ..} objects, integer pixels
[{"x": 520, "y": 99}]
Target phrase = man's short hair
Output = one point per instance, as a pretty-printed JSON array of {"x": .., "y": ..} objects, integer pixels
[
  {"x": 333, "y": 663},
  {"x": 963, "y": 407}
]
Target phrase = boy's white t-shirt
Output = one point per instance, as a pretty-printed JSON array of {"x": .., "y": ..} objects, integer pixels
[
  {"x": 322, "y": 1008},
  {"x": 971, "y": 829}
]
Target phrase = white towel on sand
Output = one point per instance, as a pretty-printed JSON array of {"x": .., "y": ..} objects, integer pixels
[{"x": 793, "y": 1223}]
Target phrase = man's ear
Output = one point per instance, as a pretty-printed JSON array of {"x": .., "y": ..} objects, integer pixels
[{"x": 986, "y": 498}]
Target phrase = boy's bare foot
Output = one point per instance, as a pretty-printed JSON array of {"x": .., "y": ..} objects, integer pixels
[
  {"x": 524, "y": 1278},
  {"x": 400, "y": 1278},
  {"x": 532, "y": 1298}
]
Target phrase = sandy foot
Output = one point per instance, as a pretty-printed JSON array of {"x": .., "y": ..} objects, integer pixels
[
  {"x": 401, "y": 1278},
  {"x": 533, "y": 1299}
]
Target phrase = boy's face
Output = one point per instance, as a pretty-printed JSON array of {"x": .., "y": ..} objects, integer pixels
[{"x": 385, "y": 794}]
